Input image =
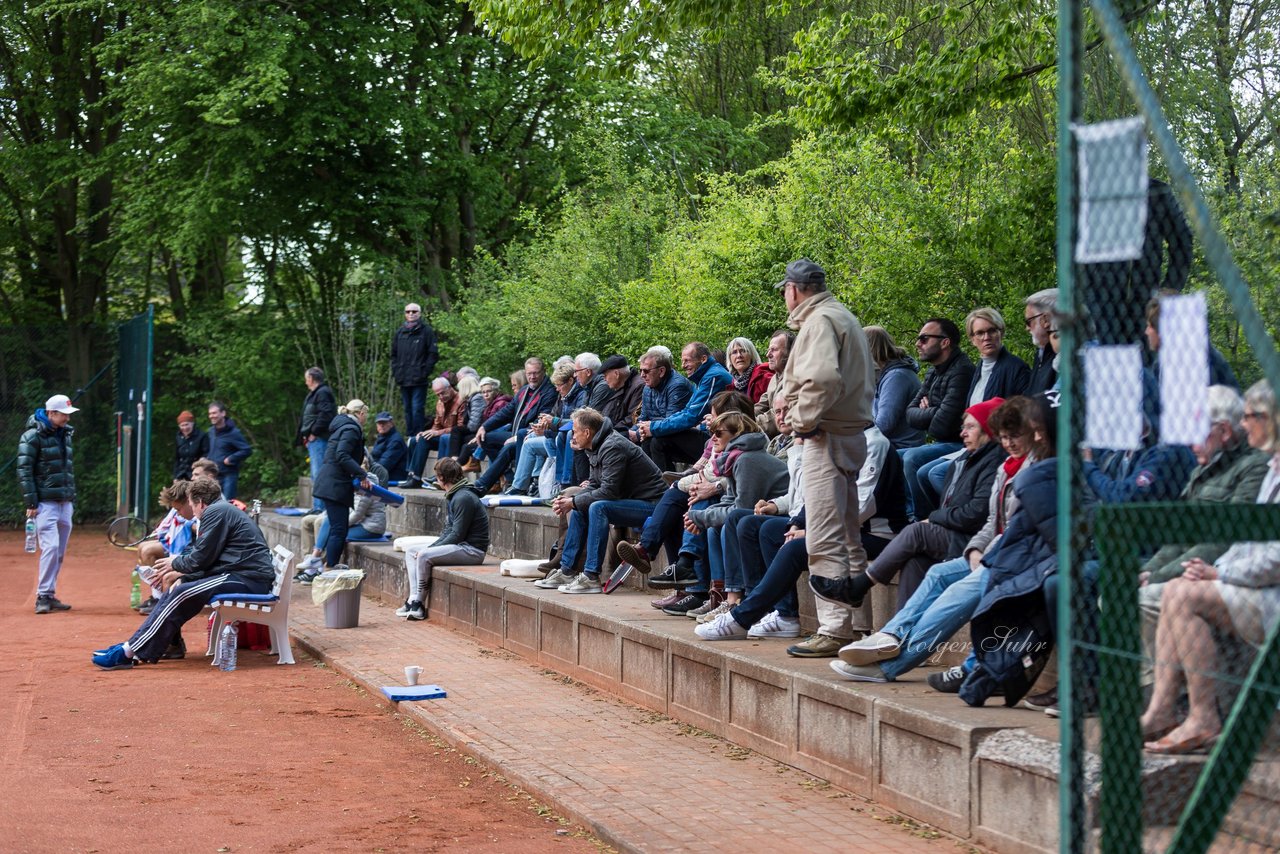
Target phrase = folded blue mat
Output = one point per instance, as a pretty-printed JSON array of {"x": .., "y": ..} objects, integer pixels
[
  {"x": 414, "y": 692},
  {"x": 292, "y": 511},
  {"x": 381, "y": 538}
]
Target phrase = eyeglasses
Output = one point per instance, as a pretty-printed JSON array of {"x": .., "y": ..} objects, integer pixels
[
  {"x": 989, "y": 332},
  {"x": 647, "y": 370},
  {"x": 1033, "y": 318},
  {"x": 1255, "y": 415},
  {"x": 923, "y": 337}
]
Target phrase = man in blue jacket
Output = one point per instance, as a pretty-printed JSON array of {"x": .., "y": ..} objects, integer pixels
[
  {"x": 502, "y": 435},
  {"x": 678, "y": 438},
  {"x": 227, "y": 447}
]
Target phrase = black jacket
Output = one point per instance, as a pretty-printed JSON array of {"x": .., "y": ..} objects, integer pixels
[
  {"x": 341, "y": 462},
  {"x": 1043, "y": 376},
  {"x": 44, "y": 462},
  {"x": 228, "y": 541},
  {"x": 228, "y": 443},
  {"x": 414, "y": 354},
  {"x": 524, "y": 408},
  {"x": 468, "y": 520},
  {"x": 947, "y": 387},
  {"x": 317, "y": 411},
  {"x": 622, "y": 405},
  {"x": 619, "y": 469},
  {"x": 966, "y": 493},
  {"x": 1009, "y": 377},
  {"x": 187, "y": 450}
]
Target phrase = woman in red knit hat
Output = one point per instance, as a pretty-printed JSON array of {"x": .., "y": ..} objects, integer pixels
[{"x": 192, "y": 444}]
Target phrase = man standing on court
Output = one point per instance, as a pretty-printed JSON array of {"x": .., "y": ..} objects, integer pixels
[
  {"x": 413, "y": 359},
  {"x": 49, "y": 491},
  {"x": 828, "y": 385}
]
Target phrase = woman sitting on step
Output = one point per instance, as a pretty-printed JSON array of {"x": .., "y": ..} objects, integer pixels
[{"x": 463, "y": 542}]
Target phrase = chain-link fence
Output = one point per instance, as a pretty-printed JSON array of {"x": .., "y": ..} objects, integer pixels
[{"x": 1169, "y": 483}]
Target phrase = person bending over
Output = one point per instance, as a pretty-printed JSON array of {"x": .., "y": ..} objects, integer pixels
[{"x": 228, "y": 555}]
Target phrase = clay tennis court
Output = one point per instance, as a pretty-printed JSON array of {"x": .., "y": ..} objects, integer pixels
[{"x": 183, "y": 757}]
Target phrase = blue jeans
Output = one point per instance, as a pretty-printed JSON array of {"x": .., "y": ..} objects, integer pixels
[
  {"x": 494, "y": 441},
  {"x": 779, "y": 580},
  {"x": 501, "y": 462},
  {"x": 337, "y": 539},
  {"x": 591, "y": 529},
  {"x": 939, "y": 608},
  {"x": 419, "y": 450},
  {"x": 354, "y": 532},
  {"x": 933, "y": 478},
  {"x": 697, "y": 547},
  {"x": 913, "y": 459},
  {"x": 315, "y": 450},
  {"x": 759, "y": 540},
  {"x": 414, "y": 399},
  {"x": 228, "y": 480},
  {"x": 564, "y": 459},
  {"x": 534, "y": 451},
  {"x": 665, "y": 525},
  {"x": 723, "y": 552}
]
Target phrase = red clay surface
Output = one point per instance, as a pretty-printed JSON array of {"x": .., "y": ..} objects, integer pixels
[{"x": 183, "y": 757}]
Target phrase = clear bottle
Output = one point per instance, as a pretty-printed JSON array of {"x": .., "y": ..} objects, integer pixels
[
  {"x": 135, "y": 591},
  {"x": 31, "y": 535},
  {"x": 227, "y": 647}
]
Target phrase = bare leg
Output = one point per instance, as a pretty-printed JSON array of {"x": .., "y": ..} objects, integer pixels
[{"x": 1185, "y": 649}]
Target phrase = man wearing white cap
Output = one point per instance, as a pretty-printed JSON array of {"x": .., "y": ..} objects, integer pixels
[{"x": 49, "y": 491}]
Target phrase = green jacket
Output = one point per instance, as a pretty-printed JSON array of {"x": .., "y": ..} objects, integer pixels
[
  {"x": 1234, "y": 476},
  {"x": 44, "y": 462}
]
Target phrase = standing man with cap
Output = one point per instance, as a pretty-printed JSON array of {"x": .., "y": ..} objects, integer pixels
[
  {"x": 49, "y": 491},
  {"x": 413, "y": 359},
  {"x": 318, "y": 410},
  {"x": 191, "y": 444},
  {"x": 828, "y": 386}
]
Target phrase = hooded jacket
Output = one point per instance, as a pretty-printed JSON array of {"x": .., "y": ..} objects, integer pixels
[
  {"x": 341, "y": 462},
  {"x": 44, "y": 462},
  {"x": 468, "y": 520},
  {"x": 757, "y": 474},
  {"x": 622, "y": 405},
  {"x": 618, "y": 469},
  {"x": 708, "y": 380},
  {"x": 228, "y": 444},
  {"x": 896, "y": 387},
  {"x": 830, "y": 378}
]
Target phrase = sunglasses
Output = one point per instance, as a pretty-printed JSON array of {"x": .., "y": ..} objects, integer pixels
[{"x": 923, "y": 337}]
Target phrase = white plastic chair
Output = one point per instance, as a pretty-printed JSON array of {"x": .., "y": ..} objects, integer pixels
[{"x": 267, "y": 609}]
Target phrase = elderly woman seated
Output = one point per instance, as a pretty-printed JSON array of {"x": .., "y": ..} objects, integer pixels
[{"x": 1238, "y": 595}]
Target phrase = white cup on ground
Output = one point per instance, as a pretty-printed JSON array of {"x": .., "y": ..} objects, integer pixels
[{"x": 411, "y": 674}]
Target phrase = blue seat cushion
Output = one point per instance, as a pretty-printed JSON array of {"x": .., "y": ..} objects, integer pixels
[
  {"x": 378, "y": 538},
  {"x": 244, "y": 597}
]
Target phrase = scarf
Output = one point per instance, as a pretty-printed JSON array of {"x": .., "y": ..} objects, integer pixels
[
  {"x": 722, "y": 466},
  {"x": 1012, "y": 464}
]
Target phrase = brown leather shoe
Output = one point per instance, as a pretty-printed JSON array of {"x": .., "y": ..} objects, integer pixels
[{"x": 471, "y": 465}]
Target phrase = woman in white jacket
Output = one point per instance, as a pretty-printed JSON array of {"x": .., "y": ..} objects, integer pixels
[{"x": 1239, "y": 595}]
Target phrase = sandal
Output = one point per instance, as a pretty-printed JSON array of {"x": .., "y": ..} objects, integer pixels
[{"x": 1196, "y": 744}]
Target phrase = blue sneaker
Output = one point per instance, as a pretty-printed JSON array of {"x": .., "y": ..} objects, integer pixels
[{"x": 113, "y": 658}]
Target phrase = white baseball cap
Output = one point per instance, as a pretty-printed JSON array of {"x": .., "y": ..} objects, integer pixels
[{"x": 59, "y": 403}]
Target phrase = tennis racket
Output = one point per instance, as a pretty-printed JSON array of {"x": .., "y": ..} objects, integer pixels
[
  {"x": 619, "y": 576},
  {"x": 128, "y": 532}
]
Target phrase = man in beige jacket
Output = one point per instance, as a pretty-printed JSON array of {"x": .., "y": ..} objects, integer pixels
[{"x": 829, "y": 383}]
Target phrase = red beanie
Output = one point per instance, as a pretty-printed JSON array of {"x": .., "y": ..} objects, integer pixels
[
  {"x": 185, "y": 415},
  {"x": 981, "y": 412}
]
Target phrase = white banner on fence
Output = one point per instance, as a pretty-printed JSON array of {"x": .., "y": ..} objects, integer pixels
[
  {"x": 1184, "y": 369},
  {"x": 1113, "y": 397},
  {"x": 1112, "y": 218}
]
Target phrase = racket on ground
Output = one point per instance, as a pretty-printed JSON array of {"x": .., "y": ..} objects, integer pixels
[
  {"x": 619, "y": 577},
  {"x": 128, "y": 532}
]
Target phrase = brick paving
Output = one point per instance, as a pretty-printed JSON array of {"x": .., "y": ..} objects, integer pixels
[{"x": 639, "y": 780}]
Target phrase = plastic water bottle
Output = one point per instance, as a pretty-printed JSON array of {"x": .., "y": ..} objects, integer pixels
[
  {"x": 135, "y": 591},
  {"x": 227, "y": 648},
  {"x": 31, "y": 535}
]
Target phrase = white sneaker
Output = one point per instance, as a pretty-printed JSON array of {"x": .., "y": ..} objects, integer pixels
[
  {"x": 774, "y": 625},
  {"x": 310, "y": 562},
  {"x": 859, "y": 672},
  {"x": 554, "y": 580},
  {"x": 722, "y": 608},
  {"x": 403, "y": 610},
  {"x": 416, "y": 611},
  {"x": 723, "y": 627},
  {"x": 582, "y": 583},
  {"x": 872, "y": 648}
]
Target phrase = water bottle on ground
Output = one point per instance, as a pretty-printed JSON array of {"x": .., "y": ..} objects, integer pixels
[
  {"x": 135, "y": 591},
  {"x": 31, "y": 535},
  {"x": 227, "y": 647}
]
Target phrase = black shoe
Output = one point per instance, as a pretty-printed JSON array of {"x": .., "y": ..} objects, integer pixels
[
  {"x": 848, "y": 591},
  {"x": 146, "y": 607},
  {"x": 947, "y": 681},
  {"x": 686, "y": 604},
  {"x": 674, "y": 575},
  {"x": 1043, "y": 702},
  {"x": 411, "y": 482},
  {"x": 42, "y": 605},
  {"x": 58, "y": 605},
  {"x": 176, "y": 651}
]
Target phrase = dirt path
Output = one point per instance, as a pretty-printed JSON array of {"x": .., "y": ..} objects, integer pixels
[{"x": 182, "y": 757}]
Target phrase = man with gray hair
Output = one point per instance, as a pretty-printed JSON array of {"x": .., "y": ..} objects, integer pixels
[
  {"x": 1038, "y": 315},
  {"x": 666, "y": 392},
  {"x": 503, "y": 433},
  {"x": 828, "y": 386},
  {"x": 413, "y": 360}
]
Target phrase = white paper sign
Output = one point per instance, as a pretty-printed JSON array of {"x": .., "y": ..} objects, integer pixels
[
  {"x": 1113, "y": 397},
  {"x": 1112, "y": 215},
  {"x": 1184, "y": 369}
]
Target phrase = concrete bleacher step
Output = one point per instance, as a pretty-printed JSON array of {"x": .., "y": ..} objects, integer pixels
[{"x": 970, "y": 772}]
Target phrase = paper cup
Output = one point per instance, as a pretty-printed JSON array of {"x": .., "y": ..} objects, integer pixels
[{"x": 411, "y": 674}]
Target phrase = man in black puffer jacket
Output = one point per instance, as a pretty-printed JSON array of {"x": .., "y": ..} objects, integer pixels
[
  {"x": 318, "y": 410},
  {"x": 49, "y": 491}
]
